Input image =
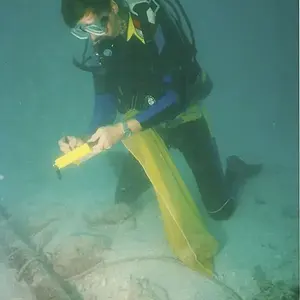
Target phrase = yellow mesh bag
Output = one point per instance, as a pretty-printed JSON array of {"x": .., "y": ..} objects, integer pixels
[{"x": 185, "y": 230}]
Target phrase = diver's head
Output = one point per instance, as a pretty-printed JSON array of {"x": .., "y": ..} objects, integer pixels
[{"x": 94, "y": 18}]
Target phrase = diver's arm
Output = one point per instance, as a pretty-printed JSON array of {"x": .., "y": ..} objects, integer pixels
[
  {"x": 165, "y": 109},
  {"x": 105, "y": 103},
  {"x": 105, "y": 111}
]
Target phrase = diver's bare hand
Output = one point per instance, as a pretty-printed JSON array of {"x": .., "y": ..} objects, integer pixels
[
  {"x": 105, "y": 137},
  {"x": 68, "y": 143}
]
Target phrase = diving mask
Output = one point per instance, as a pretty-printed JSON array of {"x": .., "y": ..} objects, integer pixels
[{"x": 98, "y": 28}]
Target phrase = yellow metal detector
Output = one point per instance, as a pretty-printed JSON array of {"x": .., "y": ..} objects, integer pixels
[{"x": 71, "y": 157}]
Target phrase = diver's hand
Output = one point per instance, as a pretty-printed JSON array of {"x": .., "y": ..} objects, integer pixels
[
  {"x": 105, "y": 137},
  {"x": 68, "y": 143}
]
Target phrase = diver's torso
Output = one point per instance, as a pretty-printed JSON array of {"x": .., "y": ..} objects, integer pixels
[{"x": 132, "y": 73}]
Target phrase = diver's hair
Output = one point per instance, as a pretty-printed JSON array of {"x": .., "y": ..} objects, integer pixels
[{"x": 73, "y": 10}]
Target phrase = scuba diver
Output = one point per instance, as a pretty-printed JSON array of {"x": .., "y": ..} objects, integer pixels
[{"x": 142, "y": 60}]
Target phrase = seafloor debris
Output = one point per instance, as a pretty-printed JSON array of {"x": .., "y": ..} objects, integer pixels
[
  {"x": 78, "y": 253},
  {"x": 273, "y": 290},
  {"x": 32, "y": 266}
]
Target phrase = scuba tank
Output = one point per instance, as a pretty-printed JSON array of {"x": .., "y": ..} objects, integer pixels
[{"x": 189, "y": 63}]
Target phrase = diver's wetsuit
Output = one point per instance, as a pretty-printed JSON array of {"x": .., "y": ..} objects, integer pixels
[{"x": 133, "y": 76}]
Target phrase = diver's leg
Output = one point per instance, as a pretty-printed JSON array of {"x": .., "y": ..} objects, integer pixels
[
  {"x": 218, "y": 190},
  {"x": 132, "y": 182}
]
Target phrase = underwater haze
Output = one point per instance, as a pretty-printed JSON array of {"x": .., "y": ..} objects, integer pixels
[{"x": 69, "y": 231}]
